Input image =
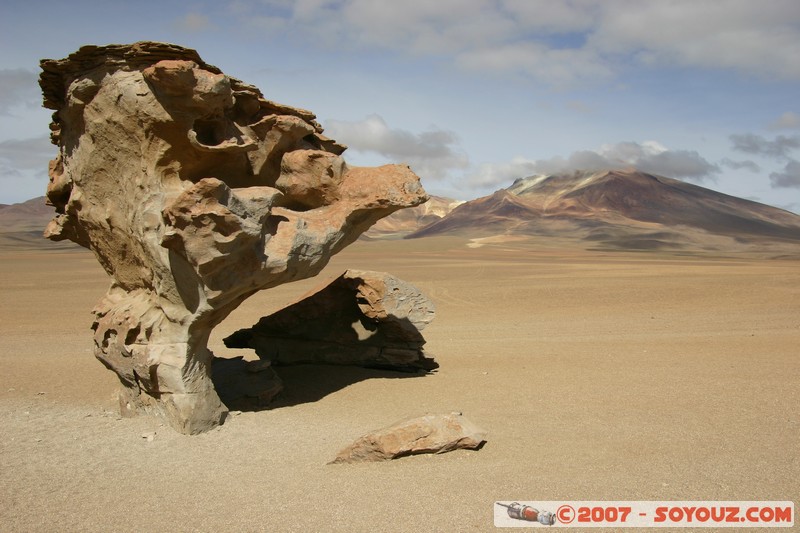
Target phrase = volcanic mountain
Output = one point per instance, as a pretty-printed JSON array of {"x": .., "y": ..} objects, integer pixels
[{"x": 623, "y": 210}]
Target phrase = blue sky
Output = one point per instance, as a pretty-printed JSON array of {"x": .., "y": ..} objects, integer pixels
[{"x": 471, "y": 93}]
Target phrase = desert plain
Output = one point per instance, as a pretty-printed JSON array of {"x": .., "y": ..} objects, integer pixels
[{"x": 598, "y": 375}]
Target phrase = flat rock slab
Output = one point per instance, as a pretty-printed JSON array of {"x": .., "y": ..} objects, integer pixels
[
  {"x": 426, "y": 434},
  {"x": 362, "y": 318}
]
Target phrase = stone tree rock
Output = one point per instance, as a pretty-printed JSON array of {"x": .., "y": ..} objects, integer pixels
[
  {"x": 194, "y": 192},
  {"x": 362, "y": 318}
]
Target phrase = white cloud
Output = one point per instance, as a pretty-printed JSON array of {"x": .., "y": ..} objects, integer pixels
[
  {"x": 23, "y": 162},
  {"x": 560, "y": 42},
  {"x": 752, "y": 166},
  {"x": 18, "y": 87},
  {"x": 502, "y": 174},
  {"x": 751, "y": 37},
  {"x": 647, "y": 156},
  {"x": 566, "y": 16},
  {"x": 786, "y": 121},
  {"x": 9, "y": 172},
  {"x": 432, "y": 153},
  {"x": 789, "y": 178},
  {"x": 425, "y": 27},
  {"x": 26, "y": 154},
  {"x": 780, "y": 147},
  {"x": 558, "y": 67},
  {"x": 193, "y": 22}
]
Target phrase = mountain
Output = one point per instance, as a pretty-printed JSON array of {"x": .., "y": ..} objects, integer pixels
[
  {"x": 622, "y": 210},
  {"x": 22, "y": 225},
  {"x": 405, "y": 221},
  {"x": 35, "y": 208}
]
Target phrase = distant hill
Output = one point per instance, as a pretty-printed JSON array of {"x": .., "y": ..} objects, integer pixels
[
  {"x": 21, "y": 226},
  {"x": 405, "y": 221},
  {"x": 623, "y": 210},
  {"x": 31, "y": 209}
]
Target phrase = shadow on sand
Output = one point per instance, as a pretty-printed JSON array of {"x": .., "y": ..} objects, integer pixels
[
  {"x": 243, "y": 390},
  {"x": 310, "y": 383}
]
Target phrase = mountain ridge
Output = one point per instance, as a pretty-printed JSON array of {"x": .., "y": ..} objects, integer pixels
[
  {"x": 619, "y": 208},
  {"x": 22, "y": 225}
]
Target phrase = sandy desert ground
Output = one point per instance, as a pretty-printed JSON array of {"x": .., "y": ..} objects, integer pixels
[{"x": 599, "y": 376}]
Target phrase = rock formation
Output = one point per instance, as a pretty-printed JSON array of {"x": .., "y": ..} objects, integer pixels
[
  {"x": 194, "y": 192},
  {"x": 425, "y": 434},
  {"x": 362, "y": 318}
]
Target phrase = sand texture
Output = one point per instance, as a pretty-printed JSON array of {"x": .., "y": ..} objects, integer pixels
[{"x": 598, "y": 376}]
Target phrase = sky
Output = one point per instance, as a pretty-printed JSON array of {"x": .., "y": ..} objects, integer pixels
[{"x": 473, "y": 94}]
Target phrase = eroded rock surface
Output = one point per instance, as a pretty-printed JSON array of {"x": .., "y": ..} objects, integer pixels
[
  {"x": 194, "y": 192},
  {"x": 363, "y": 318},
  {"x": 426, "y": 434}
]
